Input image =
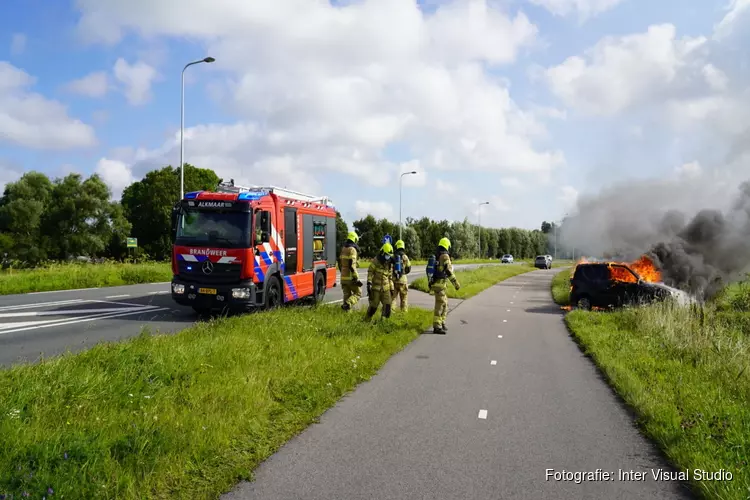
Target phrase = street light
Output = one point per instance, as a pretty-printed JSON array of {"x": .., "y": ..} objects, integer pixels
[
  {"x": 182, "y": 121},
  {"x": 480, "y": 226},
  {"x": 399, "y": 199}
]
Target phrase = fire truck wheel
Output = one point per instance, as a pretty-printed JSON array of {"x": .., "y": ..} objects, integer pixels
[
  {"x": 320, "y": 287},
  {"x": 273, "y": 293}
]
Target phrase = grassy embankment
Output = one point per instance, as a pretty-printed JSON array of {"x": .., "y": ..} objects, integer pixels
[
  {"x": 72, "y": 276},
  {"x": 474, "y": 281},
  {"x": 685, "y": 372},
  {"x": 184, "y": 415}
]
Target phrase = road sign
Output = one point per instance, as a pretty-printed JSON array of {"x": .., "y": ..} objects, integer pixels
[
  {"x": 132, "y": 242},
  {"x": 387, "y": 239}
]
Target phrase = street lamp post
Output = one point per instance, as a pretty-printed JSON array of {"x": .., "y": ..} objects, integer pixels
[
  {"x": 400, "y": 179},
  {"x": 479, "y": 215},
  {"x": 182, "y": 121}
]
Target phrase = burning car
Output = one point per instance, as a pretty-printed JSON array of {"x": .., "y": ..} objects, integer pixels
[{"x": 616, "y": 284}]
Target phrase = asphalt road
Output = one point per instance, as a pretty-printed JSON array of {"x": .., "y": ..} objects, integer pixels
[
  {"x": 50, "y": 323},
  {"x": 480, "y": 413}
]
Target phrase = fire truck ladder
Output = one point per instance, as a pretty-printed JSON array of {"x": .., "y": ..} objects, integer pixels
[{"x": 231, "y": 187}]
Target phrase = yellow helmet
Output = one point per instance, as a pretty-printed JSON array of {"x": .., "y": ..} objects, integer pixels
[
  {"x": 400, "y": 244},
  {"x": 387, "y": 249},
  {"x": 352, "y": 236},
  {"x": 445, "y": 243}
]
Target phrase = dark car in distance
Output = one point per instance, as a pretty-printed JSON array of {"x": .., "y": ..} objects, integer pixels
[
  {"x": 543, "y": 262},
  {"x": 592, "y": 285}
]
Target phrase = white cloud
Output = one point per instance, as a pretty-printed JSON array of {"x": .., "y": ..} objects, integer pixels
[
  {"x": 18, "y": 44},
  {"x": 94, "y": 84},
  {"x": 136, "y": 79},
  {"x": 9, "y": 172},
  {"x": 511, "y": 182},
  {"x": 715, "y": 78},
  {"x": 445, "y": 187},
  {"x": 378, "y": 209},
  {"x": 568, "y": 196},
  {"x": 585, "y": 9},
  {"x": 115, "y": 174},
  {"x": 623, "y": 72},
  {"x": 334, "y": 87},
  {"x": 692, "y": 169},
  {"x": 29, "y": 120},
  {"x": 735, "y": 11}
]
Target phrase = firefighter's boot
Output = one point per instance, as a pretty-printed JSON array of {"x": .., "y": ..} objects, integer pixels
[
  {"x": 345, "y": 306},
  {"x": 445, "y": 328},
  {"x": 370, "y": 312},
  {"x": 386, "y": 311},
  {"x": 438, "y": 330}
]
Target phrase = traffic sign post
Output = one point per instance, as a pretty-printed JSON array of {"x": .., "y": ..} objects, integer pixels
[{"x": 132, "y": 243}]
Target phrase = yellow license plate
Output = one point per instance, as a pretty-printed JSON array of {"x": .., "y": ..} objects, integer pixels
[{"x": 208, "y": 291}]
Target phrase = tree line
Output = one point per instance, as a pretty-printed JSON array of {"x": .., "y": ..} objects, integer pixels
[{"x": 73, "y": 217}]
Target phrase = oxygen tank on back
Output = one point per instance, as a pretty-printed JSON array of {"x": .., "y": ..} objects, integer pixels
[
  {"x": 398, "y": 265},
  {"x": 430, "y": 270}
]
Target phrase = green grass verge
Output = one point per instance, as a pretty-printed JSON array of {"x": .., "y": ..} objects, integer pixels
[
  {"x": 684, "y": 370},
  {"x": 184, "y": 415},
  {"x": 72, "y": 276},
  {"x": 474, "y": 281},
  {"x": 561, "y": 287}
]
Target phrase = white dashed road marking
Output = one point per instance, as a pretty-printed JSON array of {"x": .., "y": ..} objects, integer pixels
[
  {"x": 499, "y": 336},
  {"x": 482, "y": 414},
  {"x": 505, "y": 321},
  {"x": 117, "y": 296},
  {"x": 162, "y": 292},
  {"x": 493, "y": 362}
]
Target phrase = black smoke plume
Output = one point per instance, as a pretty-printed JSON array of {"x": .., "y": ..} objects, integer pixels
[
  {"x": 708, "y": 252},
  {"x": 697, "y": 251}
]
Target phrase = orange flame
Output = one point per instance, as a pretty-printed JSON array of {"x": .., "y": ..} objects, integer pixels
[{"x": 644, "y": 267}]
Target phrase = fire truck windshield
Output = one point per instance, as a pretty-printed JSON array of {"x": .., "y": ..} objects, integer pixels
[{"x": 215, "y": 228}]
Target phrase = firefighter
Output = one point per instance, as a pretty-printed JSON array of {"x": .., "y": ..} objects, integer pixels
[
  {"x": 380, "y": 282},
  {"x": 400, "y": 283},
  {"x": 438, "y": 285},
  {"x": 351, "y": 285}
]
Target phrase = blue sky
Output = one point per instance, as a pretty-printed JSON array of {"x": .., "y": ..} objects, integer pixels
[{"x": 336, "y": 97}]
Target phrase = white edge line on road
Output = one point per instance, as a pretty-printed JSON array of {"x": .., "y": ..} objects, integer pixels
[
  {"x": 26, "y": 314},
  {"x": 493, "y": 362},
  {"x": 82, "y": 320},
  {"x": 61, "y": 291},
  {"x": 505, "y": 321},
  {"x": 8, "y": 326},
  {"x": 96, "y": 288},
  {"x": 499, "y": 336},
  {"x": 117, "y": 296},
  {"x": 507, "y": 310},
  {"x": 511, "y": 302},
  {"x": 482, "y": 414},
  {"x": 130, "y": 304},
  {"x": 161, "y": 292},
  {"x": 41, "y": 304}
]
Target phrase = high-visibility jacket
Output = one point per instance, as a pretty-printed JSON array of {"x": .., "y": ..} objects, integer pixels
[
  {"x": 380, "y": 275},
  {"x": 443, "y": 272},
  {"x": 348, "y": 262}
]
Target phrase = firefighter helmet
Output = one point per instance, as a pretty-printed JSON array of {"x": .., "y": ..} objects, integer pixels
[
  {"x": 400, "y": 244},
  {"x": 352, "y": 236},
  {"x": 445, "y": 243},
  {"x": 387, "y": 249}
]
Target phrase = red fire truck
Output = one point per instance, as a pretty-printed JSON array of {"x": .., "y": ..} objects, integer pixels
[{"x": 251, "y": 248}]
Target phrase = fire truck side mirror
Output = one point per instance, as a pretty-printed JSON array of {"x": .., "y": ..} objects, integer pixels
[{"x": 175, "y": 218}]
